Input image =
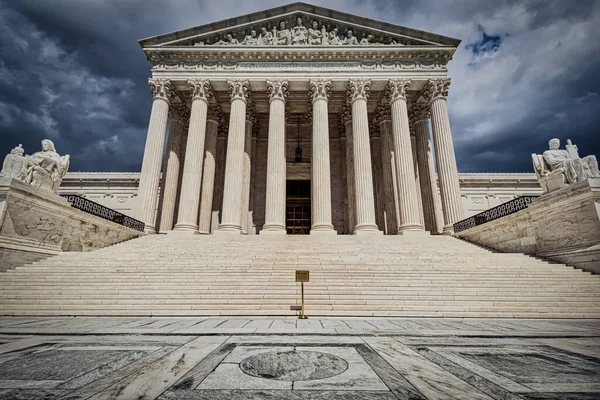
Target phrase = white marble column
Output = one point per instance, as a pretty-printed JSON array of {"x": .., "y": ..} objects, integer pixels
[
  {"x": 388, "y": 167},
  {"x": 208, "y": 173},
  {"x": 358, "y": 92},
  {"x": 437, "y": 91},
  {"x": 162, "y": 92},
  {"x": 405, "y": 173},
  {"x": 320, "y": 90},
  {"x": 413, "y": 145},
  {"x": 250, "y": 121},
  {"x": 187, "y": 218},
  {"x": 425, "y": 165},
  {"x": 346, "y": 119},
  {"x": 276, "y": 167},
  {"x": 239, "y": 93},
  {"x": 171, "y": 166}
]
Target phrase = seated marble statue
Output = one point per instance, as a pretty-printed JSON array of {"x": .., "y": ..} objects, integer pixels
[
  {"x": 265, "y": 38},
  {"x": 350, "y": 39},
  {"x": 575, "y": 168},
  {"x": 13, "y": 162},
  {"x": 367, "y": 40},
  {"x": 282, "y": 36},
  {"x": 333, "y": 38},
  {"x": 45, "y": 169},
  {"x": 316, "y": 35},
  {"x": 299, "y": 33},
  {"x": 251, "y": 39}
]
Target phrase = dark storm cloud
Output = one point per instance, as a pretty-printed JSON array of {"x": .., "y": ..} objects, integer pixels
[{"x": 72, "y": 71}]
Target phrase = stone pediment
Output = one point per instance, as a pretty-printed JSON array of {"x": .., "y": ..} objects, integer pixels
[{"x": 298, "y": 24}]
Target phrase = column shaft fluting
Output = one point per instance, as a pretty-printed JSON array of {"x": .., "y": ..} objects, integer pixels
[
  {"x": 171, "y": 168},
  {"x": 234, "y": 166},
  {"x": 276, "y": 163},
  {"x": 426, "y": 174},
  {"x": 153, "y": 153},
  {"x": 363, "y": 176},
  {"x": 191, "y": 183},
  {"x": 405, "y": 173},
  {"x": 388, "y": 166},
  {"x": 208, "y": 176},
  {"x": 413, "y": 145},
  {"x": 246, "y": 179},
  {"x": 350, "y": 190},
  {"x": 444, "y": 152},
  {"x": 320, "y": 91}
]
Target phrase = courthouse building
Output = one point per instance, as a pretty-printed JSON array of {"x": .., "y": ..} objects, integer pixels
[{"x": 300, "y": 120}]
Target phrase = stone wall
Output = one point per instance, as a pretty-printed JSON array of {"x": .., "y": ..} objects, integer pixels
[
  {"x": 563, "y": 226},
  {"x": 35, "y": 224}
]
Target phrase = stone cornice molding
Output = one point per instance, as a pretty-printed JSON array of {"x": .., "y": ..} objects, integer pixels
[
  {"x": 346, "y": 114},
  {"x": 201, "y": 89},
  {"x": 319, "y": 89},
  {"x": 358, "y": 89},
  {"x": 436, "y": 89},
  {"x": 277, "y": 90},
  {"x": 239, "y": 90},
  {"x": 214, "y": 113},
  {"x": 396, "y": 90},
  {"x": 162, "y": 89}
]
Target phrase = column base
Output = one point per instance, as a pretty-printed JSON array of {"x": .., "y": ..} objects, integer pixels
[
  {"x": 149, "y": 230},
  {"x": 203, "y": 232},
  {"x": 413, "y": 232},
  {"x": 320, "y": 231},
  {"x": 229, "y": 229},
  {"x": 448, "y": 230},
  {"x": 272, "y": 231},
  {"x": 367, "y": 230},
  {"x": 185, "y": 228}
]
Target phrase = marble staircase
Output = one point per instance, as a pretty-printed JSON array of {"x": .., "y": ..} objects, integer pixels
[{"x": 177, "y": 275}]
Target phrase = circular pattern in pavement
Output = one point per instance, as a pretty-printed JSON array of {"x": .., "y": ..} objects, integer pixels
[{"x": 294, "y": 365}]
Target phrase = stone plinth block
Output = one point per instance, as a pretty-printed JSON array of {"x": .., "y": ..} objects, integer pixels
[
  {"x": 563, "y": 226},
  {"x": 37, "y": 223}
]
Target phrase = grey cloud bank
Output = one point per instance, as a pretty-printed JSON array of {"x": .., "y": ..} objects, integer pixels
[{"x": 72, "y": 71}]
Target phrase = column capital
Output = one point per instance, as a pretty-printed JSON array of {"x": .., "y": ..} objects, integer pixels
[
  {"x": 396, "y": 89},
  {"x": 179, "y": 111},
  {"x": 251, "y": 114},
  {"x": 239, "y": 89},
  {"x": 358, "y": 89},
  {"x": 383, "y": 113},
  {"x": 346, "y": 114},
  {"x": 277, "y": 90},
  {"x": 223, "y": 130},
  {"x": 436, "y": 89},
  {"x": 418, "y": 112},
  {"x": 319, "y": 89},
  {"x": 162, "y": 89},
  {"x": 214, "y": 113},
  {"x": 201, "y": 89}
]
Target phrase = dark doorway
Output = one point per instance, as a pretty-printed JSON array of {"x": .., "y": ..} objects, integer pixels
[{"x": 297, "y": 216}]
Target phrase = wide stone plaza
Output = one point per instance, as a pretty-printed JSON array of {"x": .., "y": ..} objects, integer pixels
[{"x": 299, "y": 160}]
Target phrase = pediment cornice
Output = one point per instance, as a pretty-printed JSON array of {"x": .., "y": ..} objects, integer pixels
[{"x": 279, "y": 27}]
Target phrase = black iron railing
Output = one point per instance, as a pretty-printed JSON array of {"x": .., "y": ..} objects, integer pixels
[
  {"x": 91, "y": 207},
  {"x": 518, "y": 204}
]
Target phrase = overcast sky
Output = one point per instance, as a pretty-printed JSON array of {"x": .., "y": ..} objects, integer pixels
[{"x": 526, "y": 71}]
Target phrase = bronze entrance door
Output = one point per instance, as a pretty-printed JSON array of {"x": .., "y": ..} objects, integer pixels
[{"x": 297, "y": 216}]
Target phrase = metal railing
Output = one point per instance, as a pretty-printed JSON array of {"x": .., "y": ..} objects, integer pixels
[
  {"x": 91, "y": 207},
  {"x": 504, "y": 209}
]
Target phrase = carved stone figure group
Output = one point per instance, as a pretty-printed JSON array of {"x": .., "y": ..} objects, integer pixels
[
  {"x": 44, "y": 169},
  {"x": 298, "y": 35},
  {"x": 558, "y": 168}
]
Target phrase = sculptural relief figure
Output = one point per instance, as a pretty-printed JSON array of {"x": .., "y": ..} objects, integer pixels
[
  {"x": 316, "y": 36},
  {"x": 251, "y": 39},
  {"x": 229, "y": 40},
  {"x": 13, "y": 163},
  {"x": 265, "y": 38},
  {"x": 350, "y": 39},
  {"x": 334, "y": 39},
  {"x": 282, "y": 36},
  {"x": 574, "y": 168},
  {"x": 299, "y": 33},
  {"x": 367, "y": 40},
  {"x": 46, "y": 168}
]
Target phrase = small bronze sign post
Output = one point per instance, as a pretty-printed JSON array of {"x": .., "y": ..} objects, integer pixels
[{"x": 302, "y": 276}]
